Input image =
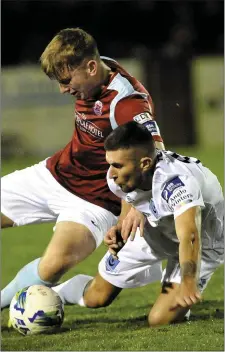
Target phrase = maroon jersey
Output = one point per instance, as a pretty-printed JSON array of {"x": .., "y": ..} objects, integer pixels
[{"x": 81, "y": 166}]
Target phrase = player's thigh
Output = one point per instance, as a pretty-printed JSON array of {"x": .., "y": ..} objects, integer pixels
[
  {"x": 161, "y": 312},
  {"x": 97, "y": 219},
  {"x": 136, "y": 265},
  {"x": 24, "y": 195},
  {"x": 100, "y": 293},
  {"x": 6, "y": 222},
  {"x": 70, "y": 244},
  {"x": 79, "y": 230}
]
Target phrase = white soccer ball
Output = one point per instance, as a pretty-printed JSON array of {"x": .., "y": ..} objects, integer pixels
[{"x": 36, "y": 309}]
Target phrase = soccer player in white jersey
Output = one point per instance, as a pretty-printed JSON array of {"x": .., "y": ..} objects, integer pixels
[
  {"x": 70, "y": 187},
  {"x": 183, "y": 204}
]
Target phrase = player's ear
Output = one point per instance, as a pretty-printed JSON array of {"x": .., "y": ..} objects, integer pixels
[
  {"x": 92, "y": 67},
  {"x": 145, "y": 163}
]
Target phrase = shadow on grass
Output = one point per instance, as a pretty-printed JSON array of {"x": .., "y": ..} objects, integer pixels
[
  {"x": 203, "y": 311},
  {"x": 208, "y": 310}
]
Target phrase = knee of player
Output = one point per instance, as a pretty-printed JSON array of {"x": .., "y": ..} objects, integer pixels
[
  {"x": 156, "y": 319},
  {"x": 100, "y": 293},
  {"x": 94, "y": 299}
]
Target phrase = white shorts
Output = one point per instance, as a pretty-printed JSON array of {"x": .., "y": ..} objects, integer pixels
[
  {"x": 33, "y": 196},
  {"x": 140, "y": 264}
]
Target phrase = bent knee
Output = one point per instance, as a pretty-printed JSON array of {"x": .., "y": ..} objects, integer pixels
[
  {"x": 100, "y": 293},
  {"x": 157, "y": 319},
  {"x": 97, "y": 302},
  {"x": 97, "y": 299}
]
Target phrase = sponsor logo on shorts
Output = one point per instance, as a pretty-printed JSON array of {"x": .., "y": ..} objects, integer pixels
[
  {"x": 170, "y": 187},
  {"x": 111, "y": 263}
]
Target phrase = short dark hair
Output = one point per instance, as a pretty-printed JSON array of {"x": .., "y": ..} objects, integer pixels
[{"x": 130, "y": 135}]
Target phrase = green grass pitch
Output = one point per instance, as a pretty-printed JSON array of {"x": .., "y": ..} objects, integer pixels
[{"x": 123, "y": 325}]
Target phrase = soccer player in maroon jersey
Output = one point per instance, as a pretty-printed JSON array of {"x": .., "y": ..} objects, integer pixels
[{"x": 70, "y": 187}]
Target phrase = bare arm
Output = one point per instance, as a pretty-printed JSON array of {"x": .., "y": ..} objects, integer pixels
[
  {"x": 132, "y": 221},
  {"x": 188, "y": 229}
]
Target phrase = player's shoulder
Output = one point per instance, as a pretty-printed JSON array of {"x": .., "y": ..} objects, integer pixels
[
  {"x": 172, "y": 190},
  {"x": 123, "y": 82},
  {"x": 167, "y": 176},
  {"x": 127, "y": 87}
]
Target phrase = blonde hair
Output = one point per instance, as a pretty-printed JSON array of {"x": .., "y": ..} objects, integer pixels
[{"x": 67, "y": 50}]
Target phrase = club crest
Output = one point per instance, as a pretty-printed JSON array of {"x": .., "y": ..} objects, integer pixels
[{"x": 98, "y": 108}]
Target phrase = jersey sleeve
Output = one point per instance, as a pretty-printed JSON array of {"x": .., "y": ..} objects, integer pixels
[
  {"x": 180, "y": 194},
  {"x": 136, "y": 108}
]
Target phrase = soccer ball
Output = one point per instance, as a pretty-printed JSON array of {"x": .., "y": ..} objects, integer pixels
[{"x": 36, "y": 309}]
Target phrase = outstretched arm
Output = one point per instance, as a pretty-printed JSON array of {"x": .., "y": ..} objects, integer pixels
[{"x": 188, "y": 229}]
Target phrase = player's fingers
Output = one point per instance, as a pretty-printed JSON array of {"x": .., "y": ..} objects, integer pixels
[
  {"x": 114, "y": 254},
  {"x": 188, "y": 301},
  {"x": 126, "y": 229},
  {"x": 180, "y": 302},
  {"x": 108, "y": 241},
  {"x": 113, "y": 238},
  {"x": 132, "y": 235},
  {"x": 199, "y": 296},
  {"x": 111, "y": 233},
  {"x": 114, "y": 245},
  {"x": 133, "y": 231},
  {"x": 142, "y": 225},
  {"x": 107, "y": 244},
  {"x": 120, "y": 244},
  {"x": 194, "y": 299}
]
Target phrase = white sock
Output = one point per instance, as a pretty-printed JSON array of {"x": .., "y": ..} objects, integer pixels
[{"x": 71, "y": 291}]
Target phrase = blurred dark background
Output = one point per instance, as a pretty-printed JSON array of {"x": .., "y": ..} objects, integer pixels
[
  {"x": 173, "y": 27},
  {"x": 166, "y": 37}
]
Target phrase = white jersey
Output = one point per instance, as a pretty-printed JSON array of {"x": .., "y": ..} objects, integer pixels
[{"x": 179, "y": 183}]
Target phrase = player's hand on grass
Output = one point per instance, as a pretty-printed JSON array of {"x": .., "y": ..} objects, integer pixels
[
  {"x": 187, "y": 295},
  {"x": 130, "y": 224},
  {"x": 114, "y": 240}
]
